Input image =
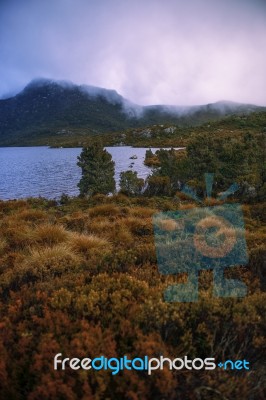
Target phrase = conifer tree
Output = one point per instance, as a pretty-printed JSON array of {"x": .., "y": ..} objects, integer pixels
[
  {"x": 130, "y": 183},
  {"x": 98, "y": 169}
]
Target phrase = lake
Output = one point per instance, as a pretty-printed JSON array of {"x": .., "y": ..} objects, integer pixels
[{"x": 41, "y": 171}]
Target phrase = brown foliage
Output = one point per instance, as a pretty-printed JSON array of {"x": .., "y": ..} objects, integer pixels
[{"x": 82, "y": 280}]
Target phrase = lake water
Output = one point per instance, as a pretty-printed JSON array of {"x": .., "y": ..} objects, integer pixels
[{"x": 41, "y": 171}]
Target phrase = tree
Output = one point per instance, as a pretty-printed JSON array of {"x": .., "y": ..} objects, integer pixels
[
  {"x": 173, "y": 164},
  {"x": 158, "y": 186},
  {"x": 171, "y": 171},
  {"x": 130, "y": 183},
  {"x": 97, "y": 168},
  {"x": 230, "y": 158}
]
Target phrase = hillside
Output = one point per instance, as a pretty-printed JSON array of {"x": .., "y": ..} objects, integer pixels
[
  {"x": 56, "y": 113},
  {"x": 171, "y": 135}
]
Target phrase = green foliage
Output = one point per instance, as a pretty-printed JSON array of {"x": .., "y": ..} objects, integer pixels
[
  {"x": 231, "y": 159},
  {"x": 130, "y": 184},
  {"x": 158, "y": 186},
  {"x": 148, "y": 154},
  {"x": 97, "y": 171},
  {"x": 151, "y": 160},
  {"x": 170, "y": 169}
]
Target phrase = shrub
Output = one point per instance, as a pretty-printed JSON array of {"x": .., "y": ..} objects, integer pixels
[
  {"x": 158, "y": 186},
  {"x": 130, "y": 184}
]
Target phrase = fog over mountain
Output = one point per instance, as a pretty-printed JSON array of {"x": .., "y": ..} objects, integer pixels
[
  {"x": 46, "y": 108},
  {"x": 151, "y": 52}
]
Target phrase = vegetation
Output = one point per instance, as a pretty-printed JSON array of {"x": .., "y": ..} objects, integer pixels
[
  {"x": 231, "y": 158},
  {"x": 130, "y": 184},
  {"x": 151, "y": 160},
  {"x": 49, "y": 113},
  {"x": 167, "y": 135},
  {"x": 82, "y": 279},
  {"x": 97, "y": 170}
]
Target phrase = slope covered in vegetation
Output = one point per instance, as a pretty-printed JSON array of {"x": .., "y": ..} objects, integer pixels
[
  {"x": 168, "y": 134},
  {"x": 50, "y": 112}
]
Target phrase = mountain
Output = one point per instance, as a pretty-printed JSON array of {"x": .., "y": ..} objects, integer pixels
[{"x": 48, "y": 109}]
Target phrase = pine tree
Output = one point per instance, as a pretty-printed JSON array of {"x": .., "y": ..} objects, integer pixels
[
  {"x": 130, "y": 183},
  {"x": 97, "y": 168}
]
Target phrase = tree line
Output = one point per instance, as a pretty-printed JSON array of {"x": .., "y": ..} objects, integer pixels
[{"x": 232, "y": 159}]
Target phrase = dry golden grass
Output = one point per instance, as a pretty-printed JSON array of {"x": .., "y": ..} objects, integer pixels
[
  {"x": 142, "y": 212},
  {"x": 48, "y": 234},
  {"x": 168, "y": 224},
  {"x": 105, "y": 210},
  {"x": 40, "y": 265},
  {"x": 101, "y": 226},
  {"x": 145, "y": 252},
  {"x": 187, "y": 206},
  {"x": 13, "y": 205},
  {"x": 16, "y": 236},
  {"x": 32, "y": 215},
  {"x": 121, "y": 199},
  {"x": 139, "y": 226},
  {"x": 116, "y": 232},
  {"x": 122, "y": 236},
  {"x": 88, "y": 244},
  {"x": 51, "y": 260},
  {"x": 76, "y": 221}
]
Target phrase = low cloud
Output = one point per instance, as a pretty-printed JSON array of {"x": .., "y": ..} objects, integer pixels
[{"x": 152, "y": 52}]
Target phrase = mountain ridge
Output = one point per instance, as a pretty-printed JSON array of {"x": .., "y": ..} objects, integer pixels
[{"x": 45, "y": 108}]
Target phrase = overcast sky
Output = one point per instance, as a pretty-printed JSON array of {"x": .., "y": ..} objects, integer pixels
[{"x": 151, "y": 51}]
